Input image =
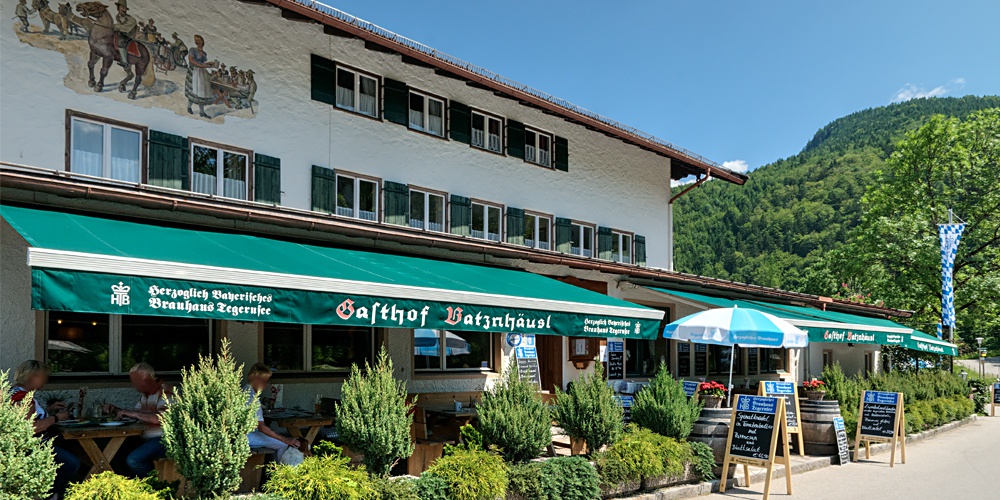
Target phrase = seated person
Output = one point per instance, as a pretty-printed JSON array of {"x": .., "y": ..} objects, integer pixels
[
  {"x": 32, "y": 376},
  {"x": 151, "y": 404},
  {"x": 264, "y": 436}
]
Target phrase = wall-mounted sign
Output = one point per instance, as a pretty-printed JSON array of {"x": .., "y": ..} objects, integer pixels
[
  {"x": 616, "y": 360},
  {"x": 786, "y": 391},
  {"x": 526, "y": 357},
  {"x": 754, "y": 428},
  {"x": 683, "y": 359},
  {"x": 881, "y": 420}
]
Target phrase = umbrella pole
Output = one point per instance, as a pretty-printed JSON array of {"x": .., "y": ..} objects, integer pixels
[{"x": 732, "y": 354}]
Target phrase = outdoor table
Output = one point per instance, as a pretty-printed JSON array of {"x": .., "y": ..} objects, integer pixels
[
  {"x": 87, "y": 435},
  {"x": 295, "y": 421},
  {"x": 458, "y": 418}
]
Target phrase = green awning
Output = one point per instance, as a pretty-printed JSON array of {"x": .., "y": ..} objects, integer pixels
[
  {"x": 920, "y": 341},
  {"x": 92, "y": 264}
]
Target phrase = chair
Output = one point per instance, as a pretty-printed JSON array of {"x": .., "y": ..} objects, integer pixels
[{"x": 425, "y": 451}]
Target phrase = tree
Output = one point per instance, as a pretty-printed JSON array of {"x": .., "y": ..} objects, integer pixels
[
  {"x": 513, "y": 417},
  {"x": 27, "y": 465},
  {"x": 895, "y": 253},
  {"x": 588, "y": 410}
]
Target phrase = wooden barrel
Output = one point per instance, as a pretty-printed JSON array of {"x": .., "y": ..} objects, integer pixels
[
  {"x": 712, "y": 428},
  {"x": 817, "y": 426}
]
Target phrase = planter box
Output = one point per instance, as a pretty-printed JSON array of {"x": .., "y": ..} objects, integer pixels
[
  {"x": 653, "y": 483},
  {"x": 250, "y": 474},
  {"x": 620, "y": 490}
]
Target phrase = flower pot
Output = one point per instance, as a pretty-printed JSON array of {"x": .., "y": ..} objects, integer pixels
[
  {"x": 653, "y": 483},
  {"x": 815, "y": 395},
  {"x": 712, "y": 401}
]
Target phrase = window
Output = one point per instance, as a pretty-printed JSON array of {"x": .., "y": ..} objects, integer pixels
[
  {"x": 102, "y": 343},
  {"x": 216, "y": 170},
  {"x": 105, "y": 150},
  {"x": 719, "y": 358},
  {"x": 357, "y": 197},
  {"x": 486, "y": 132},
  {"x": 426, "y": 114},
  {"x": 582, "y": 240},
  {"x": 538, "y": 147},
  {"x": 621, "y": 247},
  {"x": 331, "y": 348},
  {"x": 486, "y": 223},
  {"x": 538, "y": 231},
  {"x": 427, "y": 210},
  {"x": 357, "y": 92},
  {"x": 827, "y": 358},
  {"x": 445, "y": 350},
  {"x": 772, "y": 360},
  {"x": 643, "y": 357}
]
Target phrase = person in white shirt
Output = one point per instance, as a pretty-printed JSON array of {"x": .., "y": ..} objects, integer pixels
[
  {"x": 151, "y": 404},
  {"x": 264, "y": 436}
]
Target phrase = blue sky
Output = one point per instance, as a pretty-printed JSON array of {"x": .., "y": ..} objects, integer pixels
[{"x": 747, "y": 81}]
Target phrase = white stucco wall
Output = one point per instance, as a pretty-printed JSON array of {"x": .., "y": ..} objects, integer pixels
[
  {"x": 17, "y": 320},
  {"x": 609, "y": 183}
]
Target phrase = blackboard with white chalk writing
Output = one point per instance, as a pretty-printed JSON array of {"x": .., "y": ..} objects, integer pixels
[
  {"x": 616, "y": 360},
  {"x": 626, "y": 403},
  {"x": 527, "y": 365},
  {"x": 754, "y": 424},
  {"x": 787, "y": 391},
  {"x": 843, "y": 447},
  {"x": 879, "y": 419},
  {"x": 684, "y": 359},
  {"x": 996, "y": 394}
]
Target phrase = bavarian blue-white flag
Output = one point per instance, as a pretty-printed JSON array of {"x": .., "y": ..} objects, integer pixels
[{"x": 950, "y": 236}]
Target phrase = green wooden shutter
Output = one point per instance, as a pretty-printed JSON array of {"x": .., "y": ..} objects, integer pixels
[
  {"x": 266, "y": 179},
  {"x": 564, "y": 235},
  {"x": 604, "y": 242},
  {"x": 562, "y": 154},
  {"x": 397, "y": 102},
  {"x": 460, "y": 122},
  {"x": 168, "y": 161},
  {"x": 324, "y": 77},
  {"x": 397, "y": 203},
  {"x": 324, "y": 189},
  {"x": 640, "y": 250},
  {"x": 461, "y": 215},
  {"x": 515, "y": 226},
  {"x": 515, "y": 139}
]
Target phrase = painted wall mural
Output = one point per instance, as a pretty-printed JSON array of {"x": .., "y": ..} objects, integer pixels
[{"x": 112, "y": 52}]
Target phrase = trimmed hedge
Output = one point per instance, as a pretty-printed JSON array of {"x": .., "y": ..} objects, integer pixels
[
  {"x": 472, "y": 474},
  {"x": 562, "y": 478}
]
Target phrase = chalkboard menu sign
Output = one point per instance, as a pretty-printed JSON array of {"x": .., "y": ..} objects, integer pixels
[
  {"x": 752, "y": 356},
  {"x": 527, "y": 365},
  {"x": 690, "y": 387},
  {"x": 787, "y": 391},
  {"x": 626, "y": 403},
  {"x": 996, "y": 399},
  {"x": 882, "y": 420},
  {"x": 700, "y": 359},
  {"x": 843, "y": 447},
  {"x": 616, "y": 360},
  {"x": 754, "y": 427},
  {"x": 684, "y": 359}
]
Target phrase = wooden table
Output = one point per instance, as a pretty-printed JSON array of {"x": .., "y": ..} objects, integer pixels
[
  {"x": 459, "y": 418},
  {"x": 87, "y": 436},
  {"x": 294, "y": 422}
]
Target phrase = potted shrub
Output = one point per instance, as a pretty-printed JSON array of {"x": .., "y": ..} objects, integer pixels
[
  {"x": 815, "y": 389},
  {"x": 663, "y": 408},
  {"x": 514, "y": 419},
  {"x": 712, "y": 393},
  {"x": 588, "y": 411}
]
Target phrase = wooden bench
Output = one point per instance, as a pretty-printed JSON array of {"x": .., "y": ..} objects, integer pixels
[{"x": 250, "y": 474}]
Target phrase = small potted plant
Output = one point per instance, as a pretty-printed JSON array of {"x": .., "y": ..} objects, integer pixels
[
  {"x": 815, "y": 389},
  {"x": 712, "y": 393}
]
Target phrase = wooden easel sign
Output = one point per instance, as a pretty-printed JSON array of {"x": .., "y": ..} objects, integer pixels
[
  {"x": 881, "y": 420},
  {"x": 754, "y": 427},
  {"x": 843, "y": 447},
  {"x": 995, "y": 397},
  {"x": 786, "y": 391}
]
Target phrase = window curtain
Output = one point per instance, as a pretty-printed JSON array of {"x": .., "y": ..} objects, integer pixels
[
  {"x": 366, "y": 102},
  {"x": 125, "y": 160},
  {"x": 88, "y": 148}
]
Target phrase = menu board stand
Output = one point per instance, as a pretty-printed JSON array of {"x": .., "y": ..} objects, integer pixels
[
  {"x": 756, "y": 419},
  {"x": 843, "y": 447},
  {"x": 881, "y": 419},
  {"x": 787, "y": 391},
  {"x": 995, "y": 397},
  {"x": 526, "y": 357}
]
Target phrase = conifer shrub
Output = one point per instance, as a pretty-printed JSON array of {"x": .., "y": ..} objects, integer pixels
[
  {"x": 588, "y": 410},
  {"x": 472, "y": 474},
  {"x": 561, "y": 478},
  {"x": 27, "y": 465},
  {"x": 395, "y": 488},
  {"x": 205, "y": 427},
  {"x": 111, "y": 486},
  {"x": 372, "y": 416},
  {"x": 431, "y": 487},
  {"x": 663, "y": 408},
  {"x": 327, "y": 477},
  {"x": 514, "y": 419},
  {"x": 703, "y": 460}
]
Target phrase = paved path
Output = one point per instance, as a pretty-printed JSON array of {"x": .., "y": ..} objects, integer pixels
[
  {"x": 959, "y": 465},
  {"x": 972, "y": 365}
]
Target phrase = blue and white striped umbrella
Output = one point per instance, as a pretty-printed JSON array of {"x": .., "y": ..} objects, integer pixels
[{"x": 736, "y": 326}]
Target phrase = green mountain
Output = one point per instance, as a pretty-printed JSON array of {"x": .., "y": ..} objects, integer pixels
[{"x": 776, "y": 229}]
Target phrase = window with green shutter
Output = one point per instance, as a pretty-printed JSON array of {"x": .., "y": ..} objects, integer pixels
[
  {"x": 562, "y": 154},
  {"x": 604, "y": 243},
  {"x": 564, "y": 235},
  {"x": 323, "y": 79},
  {"x": 515, "y": 139},
  {"x": 397, "y": 203},
  {"x": 640, "y": 250},
  {"x": 168, "y": 160},
  {"x": 459, "y": 123},
  {"x": 461, "y": 215},
  {"x": 515, "y": 226},
  {"x": 266, "y": 179},
  {"x": 397, "y": 101},
  {"x": 324, "y": 189}
]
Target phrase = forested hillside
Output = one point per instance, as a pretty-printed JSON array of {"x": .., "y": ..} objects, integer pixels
[{"x": 776, "y": 229}]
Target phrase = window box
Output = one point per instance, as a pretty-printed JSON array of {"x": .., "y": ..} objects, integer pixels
[
  {"x": 487, "y": 132},
  {"x": 357, "y": 197},
  {"x": 357, "y": 91},
  {"x": 106, "y": 148},
  {"x": 538, "y": 147},
  {"x": 427, "y": 210},
  {"x": 486, "y": 221},
  {"x": 220, "y": 170},
  {"x": 426, "y": 114}
]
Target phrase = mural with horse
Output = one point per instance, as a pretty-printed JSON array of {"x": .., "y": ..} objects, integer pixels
[{"x": 143, "y": 65}]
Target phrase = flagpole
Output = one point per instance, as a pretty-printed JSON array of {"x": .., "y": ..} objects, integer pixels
[{"x": 732, "y": 355}]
